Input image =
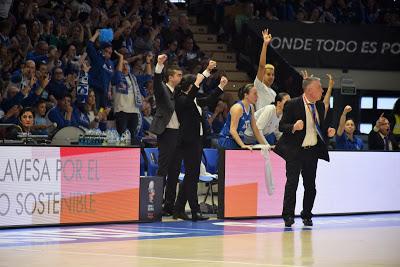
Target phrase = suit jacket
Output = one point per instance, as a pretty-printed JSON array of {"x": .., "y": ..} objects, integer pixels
[
  {"x": 375, "y": 141},
  {"x": 289, "y": 145},
  {"x": 188, "y": 114},
  {"x": 165, "y": 105}
]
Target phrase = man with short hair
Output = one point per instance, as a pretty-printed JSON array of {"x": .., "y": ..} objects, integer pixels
[
  {"x": 303, "y": 142},
  {"x": 380, "y": 137},
  {"x": 165, "y": 125}
]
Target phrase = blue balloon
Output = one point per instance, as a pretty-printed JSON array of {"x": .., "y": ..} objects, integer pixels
[{"x": 106, "y": 35}]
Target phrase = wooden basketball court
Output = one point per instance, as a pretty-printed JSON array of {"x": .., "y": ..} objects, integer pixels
[{"x": 364, "y": 240}]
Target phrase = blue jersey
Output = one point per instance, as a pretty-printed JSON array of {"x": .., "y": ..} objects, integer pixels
[
  {"x": 225, "y": 139},
  {"x": 344, "y": 143}
]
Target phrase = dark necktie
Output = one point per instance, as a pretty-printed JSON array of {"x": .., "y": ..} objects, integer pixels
[
  {"x": 317, "y": 126},
  {"x": 386, "y": 141}
]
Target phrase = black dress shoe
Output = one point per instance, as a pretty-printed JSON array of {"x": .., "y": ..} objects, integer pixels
[
  {"x": 167, "y": 212},
  {"x": 289, "y": 221},
  {"x": 180, "y": 215},
  {"x": 307, "y": 222},
  {"x": 199, "y": 217}
]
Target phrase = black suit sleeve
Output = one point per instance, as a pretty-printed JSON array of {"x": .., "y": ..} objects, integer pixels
[
  {"x": 185, "y": 100},
  {"x": 158, "y": 85},
  {"x": 286, "y": 123},
  {"x": 210, "y": 100},
  {"x": 375, "y": 141}
]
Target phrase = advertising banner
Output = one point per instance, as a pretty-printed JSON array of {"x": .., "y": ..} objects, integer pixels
[
  {"x": 61, "y": 185},
  {"x": 372, "y": 47},
  {"x": 352, "y": 182}
]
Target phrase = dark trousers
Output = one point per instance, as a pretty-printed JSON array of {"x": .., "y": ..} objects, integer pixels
[
  {"x": 128, "y": 121},
  {"x": 191, "y": 153},
  {"x": 169, "y": 164},
  {"x": 306, "y": 164}
]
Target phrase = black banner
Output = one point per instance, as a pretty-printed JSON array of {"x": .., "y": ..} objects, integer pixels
[
  {"x": 371, "y": 47},
  {"x": 151, "y": 197}
]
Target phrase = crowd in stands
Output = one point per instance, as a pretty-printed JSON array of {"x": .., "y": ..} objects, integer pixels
[
  {"x": 232, "y": 15},
  {"x": 57, "y": 65},
  {"x": 322, "y": 11},
  {"x": 54, "y": 60}
]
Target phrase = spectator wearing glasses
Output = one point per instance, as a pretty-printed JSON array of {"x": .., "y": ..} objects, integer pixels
[
  {"x": 56, "y": 84},
  {"x": 380, "y": 137}
]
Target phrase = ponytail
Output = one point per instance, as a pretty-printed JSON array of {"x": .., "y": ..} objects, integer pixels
[{"x": 244, "y": 90}]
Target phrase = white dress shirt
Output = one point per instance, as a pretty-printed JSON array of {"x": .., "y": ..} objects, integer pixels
[{"x": 311, "y": 132}]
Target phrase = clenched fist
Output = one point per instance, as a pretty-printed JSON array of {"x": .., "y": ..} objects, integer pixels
[
  {"x": 347, "y": 109},
  {"x": 331, "y": 132},
  {"x": 161, "y": 59},
  {"x": 223, "y": 82},
  {"x": 211, "y": 65},
  {"x": 298, "y": 126}
]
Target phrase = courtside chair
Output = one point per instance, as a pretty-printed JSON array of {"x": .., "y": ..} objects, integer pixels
[
  {"x": 152, "y": 160},
  {"x": 142, "y": 165},
  {"x": 211, "y": 160}
]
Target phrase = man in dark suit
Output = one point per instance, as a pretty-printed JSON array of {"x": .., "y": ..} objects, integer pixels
[
  {"x": 165, "y": 125},
  {"x": 192, "y": 128},
  {"x": 303, "y": 142},
  {"x": 380, "y": 137}
]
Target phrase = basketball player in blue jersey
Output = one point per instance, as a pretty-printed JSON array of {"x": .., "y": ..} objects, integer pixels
[{"x": 240, "y": 117}]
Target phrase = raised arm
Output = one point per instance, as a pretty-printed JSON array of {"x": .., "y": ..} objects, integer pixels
[
  {"x": 328, "y": 93},
  {"x": 342, "y": 120},
  {"x": 158, "y": 76},
  {"x": 149, "y": 64},
  {"x": 263, "y": 55},
  {"x": 120, "y": 61},
  {"x": 212, "y": 99},
  {"x": 206, "y": 73},
  {"x": 91, "y": 50}
]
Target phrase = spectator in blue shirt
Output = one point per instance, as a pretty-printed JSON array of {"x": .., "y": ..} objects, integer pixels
[
  {"x": 102, "y": 69},
  {"x": 56, "y": 83},
  {"x": 62, "y": 113},
  {"x": 40, "y": 118},
  {"x": 40, "y": 52},
  {"x": 345, "y": 139}
]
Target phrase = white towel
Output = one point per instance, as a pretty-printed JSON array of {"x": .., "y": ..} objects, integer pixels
[{"x": 269, "y": 180}]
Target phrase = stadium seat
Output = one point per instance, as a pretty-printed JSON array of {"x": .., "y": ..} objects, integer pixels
[
  {"x": 142, "y": 165},
  {"x": 152, "y": 160},
  {"x": 211, "y": 160}
]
